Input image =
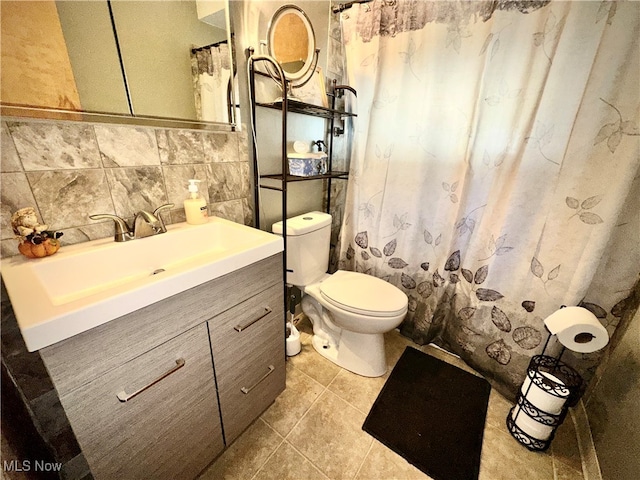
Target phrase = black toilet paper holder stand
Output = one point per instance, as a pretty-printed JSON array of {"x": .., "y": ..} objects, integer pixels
[{"x": 569, "y": 388}]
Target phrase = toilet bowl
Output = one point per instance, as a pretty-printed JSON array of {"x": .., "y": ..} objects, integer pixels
[{"x": 350, "y": 311}]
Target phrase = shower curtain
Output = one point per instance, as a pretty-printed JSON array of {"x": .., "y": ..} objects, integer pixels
[
  {"x": 495, "y": 170},
  {"x": 210, "y": 68}
]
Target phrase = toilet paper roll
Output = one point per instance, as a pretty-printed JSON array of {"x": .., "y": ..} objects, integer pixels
[
  {"x": 300, "y": 147},
  {"x": 577, "y": 329},
  {"x": 542, "y": 399},
  {"x": 530, "y": 426}
]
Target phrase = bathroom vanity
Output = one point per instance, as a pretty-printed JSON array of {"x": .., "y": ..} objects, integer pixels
[
  {"x": 159, "y": 392},
  {"x": 163, "y": 349}
]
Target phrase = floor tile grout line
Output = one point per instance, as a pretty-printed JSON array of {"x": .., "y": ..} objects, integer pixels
[
  {"x": 325, "y": 390},
  {"x": 316, "y": 381},
  {"x": 364, "y": 459},
  {"x": 558, "y": 459},
  {"x": 282, "y": 440},
  {"x": 307, "y": 458},
  {"x": 286, "y": 437},
  {"x": 343, "y": 400},
  {"x": 348, "y": 402},
  {"x": 285, "y": 440},
  {"x": 555, "y": 468}
]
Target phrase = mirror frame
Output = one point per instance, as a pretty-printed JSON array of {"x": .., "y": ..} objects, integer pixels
[
  {"x": 311, "y": 50},
  {"x": 15, "y": 112}
]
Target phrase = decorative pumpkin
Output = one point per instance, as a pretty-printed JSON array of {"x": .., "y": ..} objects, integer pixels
[
  {"x": 38, "y": 250},
  {"x": 35, "y": 240}
]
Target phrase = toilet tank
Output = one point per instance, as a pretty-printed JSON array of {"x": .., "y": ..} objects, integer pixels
[{"x": 308, "y": 238}]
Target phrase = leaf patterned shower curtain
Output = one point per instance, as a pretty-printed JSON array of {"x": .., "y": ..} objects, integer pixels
[{"x": 495, "y": 168}]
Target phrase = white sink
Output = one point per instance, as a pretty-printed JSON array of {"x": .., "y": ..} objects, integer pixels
[{"x": 85, "y": 285}]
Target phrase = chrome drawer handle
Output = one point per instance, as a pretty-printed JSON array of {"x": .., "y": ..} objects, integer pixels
[
  {"x": 246, "y": 390},
  {"x": 239, "y": 328},
  {"x": 125, "y": 397}
]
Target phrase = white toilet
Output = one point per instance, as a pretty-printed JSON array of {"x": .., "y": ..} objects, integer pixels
[{"x": 350, "y": 311}]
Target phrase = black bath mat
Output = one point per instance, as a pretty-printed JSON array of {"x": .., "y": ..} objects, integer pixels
[{"x": 432, "y": 414}]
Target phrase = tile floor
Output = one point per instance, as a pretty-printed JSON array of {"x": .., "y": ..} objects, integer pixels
[{"x": 314, "y": 431}]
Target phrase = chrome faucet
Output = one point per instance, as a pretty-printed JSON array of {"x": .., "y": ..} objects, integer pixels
[{"x": 145, "y": 224}]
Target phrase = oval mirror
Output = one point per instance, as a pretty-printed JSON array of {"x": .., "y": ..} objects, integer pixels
[{"x": 291, "y": 41}]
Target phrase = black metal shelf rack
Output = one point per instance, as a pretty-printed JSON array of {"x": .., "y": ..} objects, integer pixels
[
  {"x": 279, "y": 181},
  {"x": 294, "y": 178},
  {"x": 295, "y": 106},
  {"x": 288, "y": 106}
]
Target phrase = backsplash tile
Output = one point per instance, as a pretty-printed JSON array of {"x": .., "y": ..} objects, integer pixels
[
  {"x": 15, "y": 194},
  {"x": 127, "y": 146},
  {"x": 243, "y": 144},
  {"x": 220, "y": 147},
  {"x": 67, "y": 197},
  {"x": 10, "y": 161},
  {"x": 232, "y": 210},
  {"x": 55, "y": 146},
  {"x": 86, "y": 233},
  {"x": 135, "y": 189},
  {"x": 225, "y": 181},
  {"x": 180, "y": 146},
  {"x": 177, "y": 178},
  {"x": 245, "y": 179},
  {"x": 69, "y": 170},
  {"x": 247, "y": 208}
]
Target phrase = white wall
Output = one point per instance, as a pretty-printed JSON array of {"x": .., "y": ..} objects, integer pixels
[{"x": 613, "y": 407}]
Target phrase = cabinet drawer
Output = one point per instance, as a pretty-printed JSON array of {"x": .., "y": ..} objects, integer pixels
[
  {"x": 84, "y": 357},
  {"x": 248, "y": 353},
  {"x": 169, "y": 430}
]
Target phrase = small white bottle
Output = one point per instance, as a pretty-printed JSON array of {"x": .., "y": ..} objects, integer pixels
[{"x": 195, "y": 206}]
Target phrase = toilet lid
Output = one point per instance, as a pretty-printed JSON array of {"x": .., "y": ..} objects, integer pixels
[{"x": 364, "y": 294}]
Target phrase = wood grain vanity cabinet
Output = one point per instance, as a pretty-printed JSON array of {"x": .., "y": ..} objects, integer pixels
[
  {"x": 149, "y": 394},
  {"x": 247, "y": 350}
]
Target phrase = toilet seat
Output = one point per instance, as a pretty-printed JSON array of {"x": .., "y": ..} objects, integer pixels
[{"x": 363, "y": 294}]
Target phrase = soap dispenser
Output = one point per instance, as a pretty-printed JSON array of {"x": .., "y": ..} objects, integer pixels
[{"x": 195, "y": 206}]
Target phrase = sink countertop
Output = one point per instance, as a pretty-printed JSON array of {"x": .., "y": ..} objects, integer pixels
[{"x": 88, "y": 284}]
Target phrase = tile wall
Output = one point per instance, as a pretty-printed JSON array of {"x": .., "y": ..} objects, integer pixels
[{"x": 69, "y": 170}]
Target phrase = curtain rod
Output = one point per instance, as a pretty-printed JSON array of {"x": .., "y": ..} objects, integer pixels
[
  {"x": 211, "y": 45},
  {"x": 344, "y": 6}
]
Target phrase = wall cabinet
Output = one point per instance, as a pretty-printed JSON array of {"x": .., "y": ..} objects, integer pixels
[{"x": 150, "y": 394}]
